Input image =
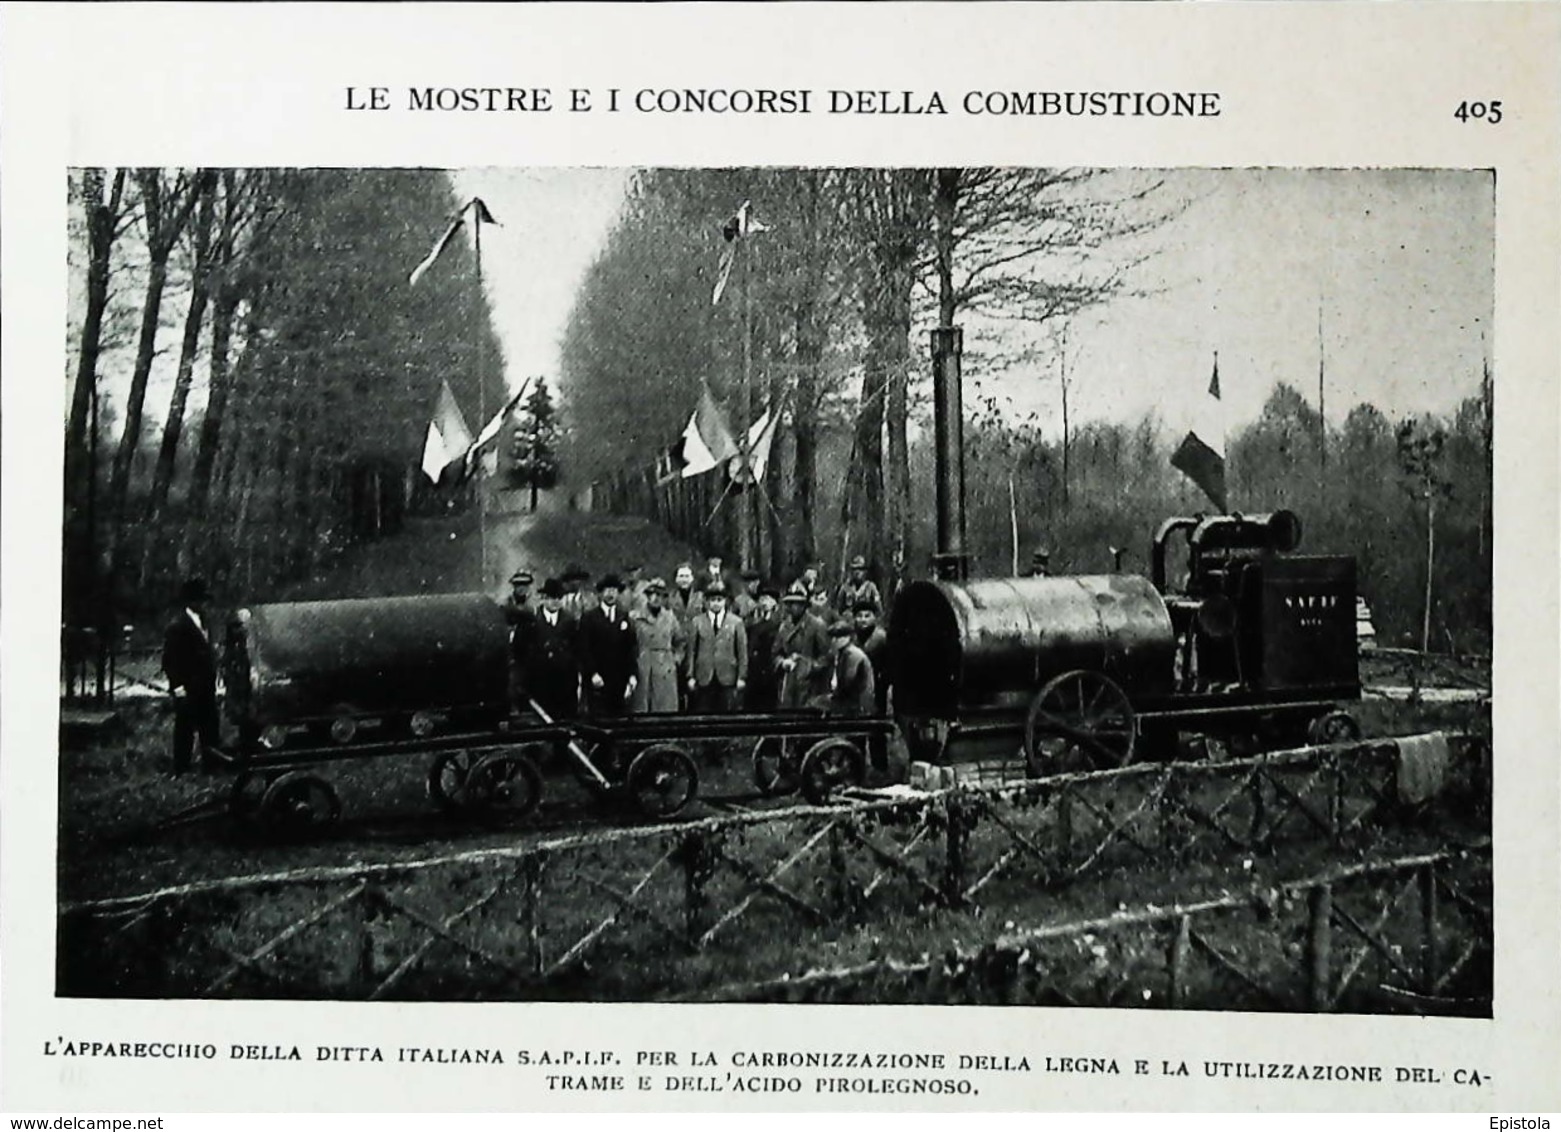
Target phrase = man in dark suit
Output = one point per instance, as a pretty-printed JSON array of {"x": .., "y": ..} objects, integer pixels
[
  {"x": 521, "y": 616},
  {"x": 607, "y": 651},
  {"x": 717, "y": 655},
  {"x": 190, "y": 663},
  {"x": 762, "y": 625},
  {"x": 552, "y": 657}
]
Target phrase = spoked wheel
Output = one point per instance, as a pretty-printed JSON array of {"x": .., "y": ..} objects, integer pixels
[
  {"x": 1079, "y": 721},
  {"x": 448, "y": 778},
  {"x": 297, "y": 804},
  {"x": 662, "y": 780},
  {"x": 774, "y": 767},
  {"x": 507, "y": 783},
  {"x": 829, "y": 765},
  {"x": 1334, "y": 727}
]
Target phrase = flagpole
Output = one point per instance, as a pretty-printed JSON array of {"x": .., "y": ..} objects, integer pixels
[
  {"x": 482, "y": 399},
  {"x": 745, "y": 501}
]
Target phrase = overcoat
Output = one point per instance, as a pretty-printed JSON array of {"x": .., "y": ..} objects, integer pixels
[
  {"x": 806, "y": 642},
  {"x": 659, "y": 648}
]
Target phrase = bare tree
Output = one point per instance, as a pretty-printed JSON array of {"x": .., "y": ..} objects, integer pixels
[
  {"x": 204, "y": 191},
  {"x": 166, "y": 203}
]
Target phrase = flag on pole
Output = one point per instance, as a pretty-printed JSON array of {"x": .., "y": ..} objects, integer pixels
[
  {"x": 706, "y": 442},
  {"x": 738, "y": 227},
  {"x": 489, "y": 431},
  {"x": 448, "y": 438},
  {"x": 480, "y": 213},
  {"x": 1201, "y": 455},
  {"x": 761, "y": 438}
]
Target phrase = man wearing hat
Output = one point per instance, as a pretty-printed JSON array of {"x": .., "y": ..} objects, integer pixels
[
  {"x": 762, "y": 625},
  {"x": 577, "y": 592},
  {"x": 633, "y": 596},
  {"x": 659, "y": 650},
  {"x": 851, "y": 674},
  {"x": 607, "y": 652},
  {"x": 521, "y": 616},
  {"x": 552, "y": 662},
  {"x": 190, "y": 663},
  {"x": 1040, "y": 563},
  {"x": 747, "y": 599},
  {"x": 801, "y": 650},
  {"x": 715, "y": 572},
  {"x": 717, "y": 655},
  {"x": 857, "y": 588}
]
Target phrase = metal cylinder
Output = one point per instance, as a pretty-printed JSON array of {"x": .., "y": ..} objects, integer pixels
[
  {"x": 951, "y": 562},
  {"x": 958, "y": 646},
  {"x": 296, "y": 662}
]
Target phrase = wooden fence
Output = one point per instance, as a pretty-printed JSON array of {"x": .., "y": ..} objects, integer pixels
[
  {"x": 1409, "y": 935},
  {"x": 613, "y": 914}
]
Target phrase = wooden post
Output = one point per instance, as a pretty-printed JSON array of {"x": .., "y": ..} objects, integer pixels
[
  {"x": 1065, "y": 829},
  {"x": 1319, "y": 946},
  {"x": 364, "y": 978},
  {"x": 697, "y": 862},
  {"x": 1428, "y": 929},
  {"x": 1173, "y": 841},
  {"x": 839, "y": 881},
  {"x": 1255, "y": 834},
  {"x": 1335, "y": 797},
  {"x": 1181, "y": 943},
  {"x": 531, "y": 925},
  {"x": 956, "y": 817}
]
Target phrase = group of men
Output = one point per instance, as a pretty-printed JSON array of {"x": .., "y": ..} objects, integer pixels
[{"x": 700, "y": 645}]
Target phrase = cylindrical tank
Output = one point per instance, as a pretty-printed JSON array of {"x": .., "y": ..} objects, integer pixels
[
  {"x": 976, "y": 644},
  {"x": 298, "y": 661}
]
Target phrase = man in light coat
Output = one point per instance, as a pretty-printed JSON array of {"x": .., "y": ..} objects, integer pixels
[
  {"x": 717, "y": 655},
  {"x": 660, "y": 646}
]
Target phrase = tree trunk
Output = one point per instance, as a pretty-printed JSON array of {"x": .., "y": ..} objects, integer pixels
[
  {"x": 224, "y": 311},
  {"x": 200, "y": 290},
  {"x": 102, "y": 222},
  {"x": 164, "y": 217}
]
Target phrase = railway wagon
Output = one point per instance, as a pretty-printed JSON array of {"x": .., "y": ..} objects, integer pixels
[
  {"x": 381, "y": 668},
  {"x": 1253, "y": 643}
]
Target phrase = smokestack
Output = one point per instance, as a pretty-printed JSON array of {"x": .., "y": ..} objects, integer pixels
[{"x": 950, "y": 563}]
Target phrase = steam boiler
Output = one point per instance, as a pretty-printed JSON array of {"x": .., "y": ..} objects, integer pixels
[
  {"x": 402, "y": 666},
  {"x": 1248, "y": 642}
]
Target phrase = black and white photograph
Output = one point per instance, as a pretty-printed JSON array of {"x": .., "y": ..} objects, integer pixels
[
  {"x": 1011, "y": 586},
  {"x": 705, "y": 558}
]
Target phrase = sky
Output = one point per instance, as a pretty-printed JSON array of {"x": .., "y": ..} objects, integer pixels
[{"x": 1399, "y": 263}]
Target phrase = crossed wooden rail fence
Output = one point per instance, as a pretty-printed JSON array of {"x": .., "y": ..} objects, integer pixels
[
  {"x": 1421, "y": 925},
  {"x": 597, "y": 915}
]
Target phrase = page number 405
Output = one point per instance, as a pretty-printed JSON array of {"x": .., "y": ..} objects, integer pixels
[{"x": 1488, "y": 112}]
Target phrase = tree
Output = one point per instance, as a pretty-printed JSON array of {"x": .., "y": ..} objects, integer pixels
[
  {"x": 1420, "y": 446},
  {"x": 167, "y": 199},
  {"x": 536, "y": 443},
  {"x": 200, "y": 232}
]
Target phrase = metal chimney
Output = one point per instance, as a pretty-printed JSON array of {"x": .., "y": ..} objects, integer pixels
[{"x": 950, "y": 563}]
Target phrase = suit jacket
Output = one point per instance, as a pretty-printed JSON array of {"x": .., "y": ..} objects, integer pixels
[
  {"x": 189, "y": 661},
  {"x": 718, "y": 656},
  {"x": 553, "y": 651},
  {"x": 607, "y": 644},
  {"x": 851, "y": 691}
]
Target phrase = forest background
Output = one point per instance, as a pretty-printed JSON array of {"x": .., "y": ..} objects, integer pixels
[{"x": 304, "y": 370}]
